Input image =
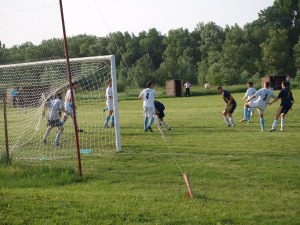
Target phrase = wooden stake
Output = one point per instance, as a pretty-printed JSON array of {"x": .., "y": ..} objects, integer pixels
[{"x": 188, "y": 184}]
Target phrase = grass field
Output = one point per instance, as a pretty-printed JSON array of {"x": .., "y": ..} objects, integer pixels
[{"x": 239, "y": 175}]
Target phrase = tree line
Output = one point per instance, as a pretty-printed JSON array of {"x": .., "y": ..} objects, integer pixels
[{"x": 232, "y": 55}]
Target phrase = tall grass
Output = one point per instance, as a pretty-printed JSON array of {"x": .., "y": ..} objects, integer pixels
[{"x": 239, "y": 175}]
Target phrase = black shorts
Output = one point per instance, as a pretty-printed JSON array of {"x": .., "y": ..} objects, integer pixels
[
  {"x": 285, "y": 109},
  {"x": 230, "y": 108},
  {"x": 161, "y": 115},
  {"x": 54, "y": 123}
]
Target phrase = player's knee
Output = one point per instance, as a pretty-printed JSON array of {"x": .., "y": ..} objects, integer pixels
[{"x": 61, "y": 129}]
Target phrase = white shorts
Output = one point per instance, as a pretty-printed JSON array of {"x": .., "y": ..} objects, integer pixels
[
  {"x": 69, "y": 109},
  {"x": 259, "y": 105},
  {"x": 149, "y": 111},
  {"x": 110, "y": 106}
]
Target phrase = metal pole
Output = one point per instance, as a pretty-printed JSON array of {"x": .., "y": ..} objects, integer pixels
[
  {"x": 71, "y": 86},
  {"x": 5, "y": 128}
]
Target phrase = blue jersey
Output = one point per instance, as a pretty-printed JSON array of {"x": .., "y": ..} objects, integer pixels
[
  {"x": 286, "y": 97},
  {"x": 159, "y": 107},
  {"x": 226, "y": 97}
]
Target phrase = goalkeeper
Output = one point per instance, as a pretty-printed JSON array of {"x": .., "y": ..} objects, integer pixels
[
  {"x": 159, "y": 110},
  {"x": 56, "y": 107}
]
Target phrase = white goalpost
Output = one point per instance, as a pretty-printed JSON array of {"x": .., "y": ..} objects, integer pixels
[{"x": 26, "y": 87}]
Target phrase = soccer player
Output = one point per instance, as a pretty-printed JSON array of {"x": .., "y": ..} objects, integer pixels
[
  {"x": 159, "y": 109},
  {"x": 56, "y": 106},
  {"x": 109, "y": 104},
  {"x": 262, "y": 96},
  {"x": 14, "y": 94},
  {"x": 230, "y": 106},
  {"x": 69, "y": 106},
  {"x": 287, "y": 101},
  {"x": 148, "y": 95},
  {"x": 248, "y": 111}
]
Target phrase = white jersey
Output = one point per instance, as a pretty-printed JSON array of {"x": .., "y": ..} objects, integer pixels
[
  {"x": 55, "y": 107},
  {"x": 109, "y": 95},
  {"x": 263, "y": 96},
  {"x": 250, "y": 91},
  {"x": 148, "y": 96},
  {"x": 68, "y": 96}
]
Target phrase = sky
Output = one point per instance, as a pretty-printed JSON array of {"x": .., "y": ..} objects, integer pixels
[{"x": 37, "y": 20}]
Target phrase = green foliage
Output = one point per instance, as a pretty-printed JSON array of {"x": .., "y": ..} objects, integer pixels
[
  {"x": 225, "y": 56},
  {"x": 276, "y": 53}
]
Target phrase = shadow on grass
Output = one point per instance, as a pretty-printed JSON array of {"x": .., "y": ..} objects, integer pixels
[{"x": 33, "y": 176}]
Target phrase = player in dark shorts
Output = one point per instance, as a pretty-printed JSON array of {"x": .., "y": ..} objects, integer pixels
[
  {"x": 287, "y": 101},
  {"x": 230, "y": 106},
  {"x": 159, "y": 109}
]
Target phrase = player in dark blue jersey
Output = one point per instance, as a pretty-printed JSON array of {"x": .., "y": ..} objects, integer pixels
[
  {"x": 287, "y": 101},
  {"x": 230, "y": 106},
  {"x": 159, "y": 109}
]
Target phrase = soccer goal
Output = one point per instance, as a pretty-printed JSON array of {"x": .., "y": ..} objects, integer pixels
[{"x": 26, "y": 87}]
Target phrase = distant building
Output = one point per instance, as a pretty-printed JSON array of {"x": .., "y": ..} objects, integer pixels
[
  {"x": 275, "y": 81},
  {"x": 174, "y": 88}
]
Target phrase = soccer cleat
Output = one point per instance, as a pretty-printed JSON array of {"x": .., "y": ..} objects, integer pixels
[
  {"x": 56, "y": 144},
  {"x": 228, "y": 125},
  {"x": 44, "y": 141},
  {"x": 112, "y": 126},
  {"x": 79, "y": 130},
  {"x": 146, "y": 130},
  {"x": 243, "y": 120},
  {"x": 233, "y": 125},
  {"x": 150, "y": 128},
  {"x": 272, "y": 129},
  {"x": 105, "y": 126},
  {"x": 262, "y": 129},
  {"x": 281, "y": 129},
  {"x": 169, "y": 128}
]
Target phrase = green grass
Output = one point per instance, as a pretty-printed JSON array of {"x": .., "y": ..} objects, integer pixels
[{"x": 239, "y": 175}]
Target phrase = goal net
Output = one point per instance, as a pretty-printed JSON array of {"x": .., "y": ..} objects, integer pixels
[{"x": 26, "y": 87}]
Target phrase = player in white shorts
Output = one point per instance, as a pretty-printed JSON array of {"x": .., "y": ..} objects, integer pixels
[
  {"x": 248, "y": 111},
  {"x": 109, "y": 105},
  {"x": 148, "y": 95},
  {"x": 68, "y": 105},
  {"x": 56, "y": 106},
  {"x": 262, "y": 96}
]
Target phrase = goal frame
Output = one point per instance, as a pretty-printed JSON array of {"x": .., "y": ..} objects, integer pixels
[{"x": 113, "y": 75}]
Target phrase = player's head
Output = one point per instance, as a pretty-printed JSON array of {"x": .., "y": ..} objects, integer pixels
[
  {"x": 74, "y": 84},
  {"x": 149, "y": 84},
  {"x": 267, "y": 84},
  {"x": 109, "y": 82},
  {"x": 284, "y": 84},
  {"x": 250, "y": 84},
  {"x": 59, "y": 95},
  {"x": 220, "y": 90}
]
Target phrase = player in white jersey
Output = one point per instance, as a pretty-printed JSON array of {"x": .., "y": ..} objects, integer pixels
[
  {"x": 148, "y": 95},
  {"x": 262, "y": 96},
  {"x": 248, "y": 111},
  {"x": 109, "y": 104},
  {"x": 69, "y": 106},
  {"x": 56, "y": 106}
]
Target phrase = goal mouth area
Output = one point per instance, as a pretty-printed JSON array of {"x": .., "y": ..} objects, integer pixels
[{"x": 38, "y": 82}]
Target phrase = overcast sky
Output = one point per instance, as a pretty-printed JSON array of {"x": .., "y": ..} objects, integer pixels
[{"x": 37, "y": 20}]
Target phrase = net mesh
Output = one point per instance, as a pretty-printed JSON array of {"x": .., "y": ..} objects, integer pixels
[{"x": 27, "y": 86}]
